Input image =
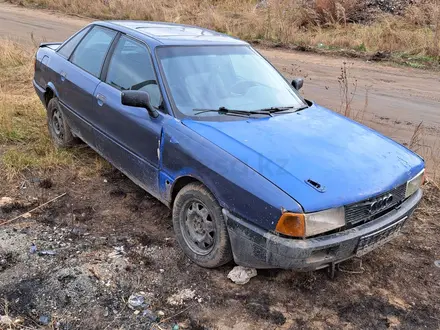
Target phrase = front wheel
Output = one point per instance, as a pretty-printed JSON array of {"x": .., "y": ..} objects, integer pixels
[{"x": 200, "y": 227}]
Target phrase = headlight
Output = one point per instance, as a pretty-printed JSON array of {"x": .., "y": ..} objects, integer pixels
[
  {"x": 414, "y": 184},
  {"x": 320, "y": 222},
  {"x": 310, "y": 224}
]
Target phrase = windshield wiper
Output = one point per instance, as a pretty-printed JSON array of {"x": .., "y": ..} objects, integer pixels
[
  {"x": 280, "y": 109},
  {"x": 234, "y": 112}
]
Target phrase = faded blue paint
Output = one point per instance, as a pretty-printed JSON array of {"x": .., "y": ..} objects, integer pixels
[
  {"x": 350, "y": 160},
  {"x": 255, "y": 168},
  {"x": 236, "y": 186}
]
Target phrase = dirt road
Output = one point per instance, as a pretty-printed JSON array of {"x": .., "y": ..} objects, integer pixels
[
  {"x": 74, "y": 263},
  {"x": 20, "y": 24},
  {"x": 398, "y": 98}
]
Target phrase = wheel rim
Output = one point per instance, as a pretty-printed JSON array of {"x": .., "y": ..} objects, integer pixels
[
  {"x": 198, "y": 227},
  {"x": 57, "y": 124}
]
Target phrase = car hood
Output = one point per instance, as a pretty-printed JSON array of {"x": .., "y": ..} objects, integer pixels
[{"x": 349, "y": 162}]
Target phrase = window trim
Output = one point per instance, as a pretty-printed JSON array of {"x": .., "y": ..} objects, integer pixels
[
  {"x": 87, "y": 27},
  {"x": 109, "y": 56},
  {"x": 105, "y": 57}
]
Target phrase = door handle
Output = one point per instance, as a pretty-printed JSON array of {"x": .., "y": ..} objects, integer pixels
[
  {"x": 63, "y": 75},
  {"x": 100, "y": 99}
]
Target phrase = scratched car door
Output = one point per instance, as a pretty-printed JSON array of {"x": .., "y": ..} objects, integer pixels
[{"x": 126, "y": 135}]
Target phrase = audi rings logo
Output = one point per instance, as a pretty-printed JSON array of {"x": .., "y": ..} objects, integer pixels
[{"x": 381, "y": 203}]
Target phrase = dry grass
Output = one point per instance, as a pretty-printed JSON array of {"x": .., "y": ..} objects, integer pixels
[
  {"x": 24, "y": 140},
  {"x": 428, "y": 148},
  {"x": 18, "y": 107},
  {"x": 327, "y": 23},
  {"x": 347, "y": 90}
]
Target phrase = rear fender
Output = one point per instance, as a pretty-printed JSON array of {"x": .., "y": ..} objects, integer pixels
[{"x": 51, "y": 86}]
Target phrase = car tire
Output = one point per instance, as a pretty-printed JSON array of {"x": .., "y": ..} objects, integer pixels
[
  {"x": 59, "y": 130},
  {"x": 200, "y": 227}
]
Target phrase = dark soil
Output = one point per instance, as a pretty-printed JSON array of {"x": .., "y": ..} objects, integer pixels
[
  {"x": 396, "y": 7},
  {"x": 111, "y": 240},
  {"x": 46, "y": 184}
]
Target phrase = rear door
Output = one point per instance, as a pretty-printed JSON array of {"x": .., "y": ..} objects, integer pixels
[
  {"x": 128, "y": 136},
  {"x": 79, "y": 78}
]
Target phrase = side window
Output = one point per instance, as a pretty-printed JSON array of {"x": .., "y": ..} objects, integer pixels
[
  {"x": 131, "y": 68},
  {"x": 91, "y": 51},
  {"x": 68, "y": 47}
]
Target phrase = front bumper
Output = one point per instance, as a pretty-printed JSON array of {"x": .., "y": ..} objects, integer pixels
[{"x": 258, "y": 248}]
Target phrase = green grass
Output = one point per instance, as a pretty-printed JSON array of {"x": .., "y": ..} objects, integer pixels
[
  {"x": 41, "y": 156},
  {"x": 361, "y": 47},
  {"x": 416, "y": 60},
  {"x": 21, "y": 118}
]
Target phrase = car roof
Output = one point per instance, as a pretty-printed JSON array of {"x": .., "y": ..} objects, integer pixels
[{"x": 172, "y": 33}]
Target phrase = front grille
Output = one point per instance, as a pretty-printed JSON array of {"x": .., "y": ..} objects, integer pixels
[{"x": 361, "y": 212}]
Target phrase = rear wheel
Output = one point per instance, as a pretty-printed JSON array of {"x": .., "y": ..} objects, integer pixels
[
  {"x": 200, "y": 227},
  {"x": 58, "y": 128}
]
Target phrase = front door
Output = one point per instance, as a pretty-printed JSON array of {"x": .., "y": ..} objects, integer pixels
[{"x": 128, "y": 136}]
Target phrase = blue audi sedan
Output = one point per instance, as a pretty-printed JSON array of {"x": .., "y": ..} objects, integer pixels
[{"x": 252, "y": 171}]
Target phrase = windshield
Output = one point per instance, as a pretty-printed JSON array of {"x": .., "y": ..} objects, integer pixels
[{"x": 231, "y": 77}]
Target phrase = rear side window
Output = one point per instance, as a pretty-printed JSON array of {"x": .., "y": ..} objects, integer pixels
[
  {"x": 70, "y": 45},
  {"x": 91, "y": 51},
  {"x": 131, "y": 68}
]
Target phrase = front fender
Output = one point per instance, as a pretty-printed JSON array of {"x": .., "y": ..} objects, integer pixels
[{"x": 237, "y": 187}]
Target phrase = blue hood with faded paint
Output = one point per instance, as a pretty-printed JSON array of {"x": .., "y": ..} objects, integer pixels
[{"x": 349, "y": 161}]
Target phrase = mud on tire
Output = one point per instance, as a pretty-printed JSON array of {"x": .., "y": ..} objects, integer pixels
[
  {"x": 200, "y": 227},
  {"x": 59, "y": 130}
]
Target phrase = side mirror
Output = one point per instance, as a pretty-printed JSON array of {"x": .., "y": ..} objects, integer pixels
[
  {"x": 138, "y": 99},
  {"x": 298, "y": 83}
]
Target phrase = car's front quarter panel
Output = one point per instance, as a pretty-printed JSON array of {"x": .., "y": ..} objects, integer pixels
[{"x": 238, "y": 188}]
